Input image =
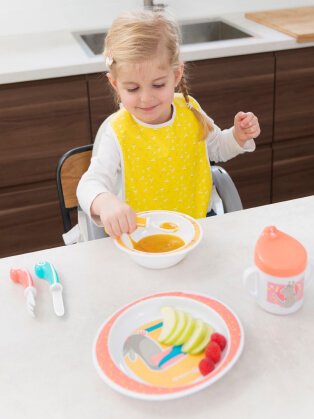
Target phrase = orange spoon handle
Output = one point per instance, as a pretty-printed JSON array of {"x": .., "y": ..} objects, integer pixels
[
  {"x": 21, "y": 276},
  {"x": 141, "y": 221}
]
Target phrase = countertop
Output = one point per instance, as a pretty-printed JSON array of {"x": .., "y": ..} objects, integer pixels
[
  {"x": 47, "y": 369},
  {"x": 59, "y": 54}
]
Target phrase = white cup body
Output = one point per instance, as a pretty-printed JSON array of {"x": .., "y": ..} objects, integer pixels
[{"x": 277, "y": 295}]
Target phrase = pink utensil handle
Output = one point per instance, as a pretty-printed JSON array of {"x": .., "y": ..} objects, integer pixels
[{"x": 21, "y": 276}]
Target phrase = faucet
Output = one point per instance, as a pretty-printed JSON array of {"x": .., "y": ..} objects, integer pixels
[{"x": 150, "y": 5}]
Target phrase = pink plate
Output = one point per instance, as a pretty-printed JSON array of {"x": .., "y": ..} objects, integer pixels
[{"x": 129, "y": 358}]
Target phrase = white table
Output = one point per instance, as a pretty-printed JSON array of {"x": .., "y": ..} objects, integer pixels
[{"x": 46, "y": 368}]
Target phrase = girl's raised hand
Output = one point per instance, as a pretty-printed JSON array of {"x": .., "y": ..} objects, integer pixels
[
  {"x": 116, "y": 216},
  {"x": 246, "y": 126}
]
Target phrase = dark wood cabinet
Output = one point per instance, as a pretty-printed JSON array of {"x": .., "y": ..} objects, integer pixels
[
  {"x": 293, "y": 169},
  {"x": 39, "y": 122},
  {"x": 251, "y": 173},
  {"x": 293, "y": 159},
  {"x": 29, "y": 218},
  {"x": 294, "y": 97},
  {"x": 102, "y": 103},
  {"x": 226, "y": 86}
]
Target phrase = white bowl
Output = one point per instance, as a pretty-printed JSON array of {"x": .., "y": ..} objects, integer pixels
[{"x": 189, "y": 231}]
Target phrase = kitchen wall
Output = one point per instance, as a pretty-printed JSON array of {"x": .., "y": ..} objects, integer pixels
[{"x": 29, "y": 16}]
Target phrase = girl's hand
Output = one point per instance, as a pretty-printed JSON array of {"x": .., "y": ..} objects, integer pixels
[
  {"x": 116, "y": 216},
  {"x": 246, "y": 126}
]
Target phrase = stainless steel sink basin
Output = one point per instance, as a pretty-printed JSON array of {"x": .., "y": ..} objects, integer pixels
[{"x": 192, "y": 33}]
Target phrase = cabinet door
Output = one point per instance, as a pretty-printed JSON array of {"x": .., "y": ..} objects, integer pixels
[
  {"x": 29, "y": 218},
  {"x": 102, "y": 103},
  {"x": 293, "y": 172},
  {"x": 293, "y": 175},
  {"x": 251, "y": 173},
  {"x": 39, "y": 122},
  {"x": 294, "y": 98},
  {"x": 225, "y": 86}
]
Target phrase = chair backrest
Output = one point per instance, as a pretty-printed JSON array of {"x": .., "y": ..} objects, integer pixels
[{"x": 72, "y": 165}]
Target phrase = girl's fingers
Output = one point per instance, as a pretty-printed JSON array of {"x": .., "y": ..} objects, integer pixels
[
  {"x": 131, "y": 217},
  {"x": 246, "y": 125},
  {"x": 108, "y": 230},
  {"x": 239, "y": 117},
  {"x": 252, "y": 123},
  {"x": 123, "y": 224},
  {"x": 115, "y": 227},
  {"x": 250, "y": 131},
  {"x": 248, "y": 120}
]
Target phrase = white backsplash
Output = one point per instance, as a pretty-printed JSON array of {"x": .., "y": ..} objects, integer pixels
[{"x": 32, "y": 16}]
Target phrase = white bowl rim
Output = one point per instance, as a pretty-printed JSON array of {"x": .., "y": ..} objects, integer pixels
[{"x": 181, "y": 250}]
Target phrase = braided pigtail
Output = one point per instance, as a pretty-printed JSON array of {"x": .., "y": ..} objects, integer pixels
[{"x": 205, "y": 123}]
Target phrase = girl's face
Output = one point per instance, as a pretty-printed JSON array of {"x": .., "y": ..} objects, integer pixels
[{"x": 146, "y": 90}]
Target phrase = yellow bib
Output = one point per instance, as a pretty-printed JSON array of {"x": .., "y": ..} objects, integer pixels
[{"x": 165, "y": 168}]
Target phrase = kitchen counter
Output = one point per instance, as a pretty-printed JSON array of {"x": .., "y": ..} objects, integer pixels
[{"x": 59, "y": 54}]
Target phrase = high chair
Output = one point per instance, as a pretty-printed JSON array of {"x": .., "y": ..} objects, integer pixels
[{"x": 74, "y": 163}]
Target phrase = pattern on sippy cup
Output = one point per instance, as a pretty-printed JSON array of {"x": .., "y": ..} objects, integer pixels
[{"x": 285, "y": 295}]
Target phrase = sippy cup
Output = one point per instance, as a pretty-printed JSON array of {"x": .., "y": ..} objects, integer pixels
[{"x": 280, "y": 274}]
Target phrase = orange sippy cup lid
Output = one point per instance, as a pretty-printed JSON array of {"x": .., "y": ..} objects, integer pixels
[{"x": 278, "y": 254}]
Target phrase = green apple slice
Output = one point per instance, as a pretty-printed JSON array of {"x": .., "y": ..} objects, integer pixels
[
  {"x": 202, "y": 345},
  {"x": 169, "y": 320},
  {"x": 196, "y": 337},
  {"x": 181, "y": 321},
  {"x": 187, "y": 331}
]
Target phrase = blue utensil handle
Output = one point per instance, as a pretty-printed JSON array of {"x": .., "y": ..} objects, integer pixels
[
  {"x": 45, "y": 270},
  {"x": 176, "y": 350}
]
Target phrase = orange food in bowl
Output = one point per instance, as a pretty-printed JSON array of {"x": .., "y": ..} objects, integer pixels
[
  {"x": 169, "y": 226},
  {"x": 158, "y": 243}
]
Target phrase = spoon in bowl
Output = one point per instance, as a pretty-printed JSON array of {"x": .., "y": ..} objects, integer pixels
[
  {"x": 165, "y": 226},
  {"x": 132, "y": 241}
]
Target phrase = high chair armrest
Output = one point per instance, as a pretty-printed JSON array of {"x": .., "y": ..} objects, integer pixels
[{"x": 226, "y": 189}]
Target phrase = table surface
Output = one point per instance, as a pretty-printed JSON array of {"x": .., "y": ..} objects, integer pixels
[{"x": 46, "y": 362}]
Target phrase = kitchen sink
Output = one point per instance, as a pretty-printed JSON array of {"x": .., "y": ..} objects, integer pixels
[{"x": 192, "y": 33}]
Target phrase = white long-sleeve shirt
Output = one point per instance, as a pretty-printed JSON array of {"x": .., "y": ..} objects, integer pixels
[{"x": 105, "y": 171}]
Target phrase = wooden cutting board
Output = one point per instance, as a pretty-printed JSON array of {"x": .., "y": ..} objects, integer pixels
[{"x": 297, "y": 22}]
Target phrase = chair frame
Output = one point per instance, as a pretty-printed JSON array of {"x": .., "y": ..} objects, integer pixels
[{"x": 66, "y": 211}]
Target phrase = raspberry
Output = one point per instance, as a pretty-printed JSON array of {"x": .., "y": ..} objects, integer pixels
[
  {"x": 220, "y": 339},
  {"x": 206, "y": 366},
  {"x": 213, "y": 351}
]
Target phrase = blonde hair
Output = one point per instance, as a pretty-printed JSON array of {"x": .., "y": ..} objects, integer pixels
[{"x": 136, "y": 37}]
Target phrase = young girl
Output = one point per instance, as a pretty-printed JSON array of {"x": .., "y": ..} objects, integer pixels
[{"x": 154, "y": 152}]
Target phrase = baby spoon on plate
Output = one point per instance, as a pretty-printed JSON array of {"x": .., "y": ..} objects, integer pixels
[{"x": 167, "y": 226}]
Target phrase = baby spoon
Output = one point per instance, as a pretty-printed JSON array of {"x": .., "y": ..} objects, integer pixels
[
  {"x": 165, "y": 226},
  {"x": 132, "y": 241},
  {"x": 45, "y": 270},
  {"x": 23, "y": 277}
]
